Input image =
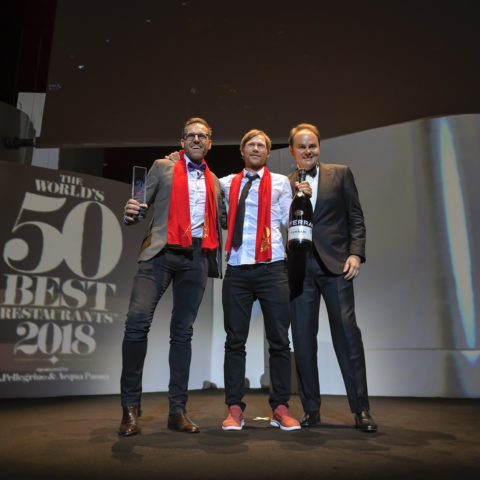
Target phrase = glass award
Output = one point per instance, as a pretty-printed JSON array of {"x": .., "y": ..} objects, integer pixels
[
  {"x": 139, "y": 189},
  {"x": 139, "y": 184}
]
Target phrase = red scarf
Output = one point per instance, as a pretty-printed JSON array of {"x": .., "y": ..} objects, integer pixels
[
  {"x": 263, "y": 246},
  {"x": 179, "y": 226}
]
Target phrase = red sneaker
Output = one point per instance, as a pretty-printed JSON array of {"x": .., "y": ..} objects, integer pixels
[
  {"x": 282, "y": 419},
  {"x": 234, "y": 421}
]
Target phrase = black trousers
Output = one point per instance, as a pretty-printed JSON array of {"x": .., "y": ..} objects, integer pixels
[
  {"x": 346, "y": 336},
  {"x": 267, "y": 282},
  {"x": 188, "y": 270}
]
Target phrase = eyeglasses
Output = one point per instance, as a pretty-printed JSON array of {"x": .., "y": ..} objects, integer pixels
[{"x": 202, "y": 137}]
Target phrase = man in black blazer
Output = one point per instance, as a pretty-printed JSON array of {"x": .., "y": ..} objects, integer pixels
[{"x": 328, "y": 271}]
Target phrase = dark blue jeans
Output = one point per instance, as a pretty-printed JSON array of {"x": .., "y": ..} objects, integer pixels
[
  {"x": 188, "y": 271},
  {"x": 242, "y": 285}
]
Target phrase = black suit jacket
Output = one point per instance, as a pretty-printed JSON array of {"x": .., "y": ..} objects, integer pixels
[{"x": 338, "y": 224}]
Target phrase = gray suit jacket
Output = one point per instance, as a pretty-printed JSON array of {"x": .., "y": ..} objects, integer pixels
[
  {"x": 159, "y": 187},
  {"x": 338, "y": 224}
]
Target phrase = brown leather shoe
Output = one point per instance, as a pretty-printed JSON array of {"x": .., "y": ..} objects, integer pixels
[
  {"x": 181, "y": 423},
  {"x": 129, "y": 424}
]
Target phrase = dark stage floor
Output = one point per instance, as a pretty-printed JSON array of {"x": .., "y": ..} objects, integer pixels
[{"x": 75, "y": 438}]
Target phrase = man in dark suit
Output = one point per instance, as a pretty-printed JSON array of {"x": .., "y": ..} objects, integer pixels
[
  {"x": 182, "y": 244},
  {"x": 328, "y": 271}
]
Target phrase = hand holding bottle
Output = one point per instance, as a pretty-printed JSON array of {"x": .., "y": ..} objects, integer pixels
[{"x": 304, "y": 187}]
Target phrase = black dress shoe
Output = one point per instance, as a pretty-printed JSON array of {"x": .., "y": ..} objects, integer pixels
[
  {"x": 310, "y": 419},
  {"x": 181, "y": 423},
  {"x": 364, "y": 422},
  {"x": 129, "y": 424}
]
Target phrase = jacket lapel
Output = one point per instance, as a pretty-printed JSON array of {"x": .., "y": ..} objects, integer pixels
[{"x": 324, "y": 182}]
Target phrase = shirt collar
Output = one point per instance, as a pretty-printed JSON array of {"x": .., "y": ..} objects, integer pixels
[
  {"x": 259, "y": 173},
  {"x": 187, "y": 161}
]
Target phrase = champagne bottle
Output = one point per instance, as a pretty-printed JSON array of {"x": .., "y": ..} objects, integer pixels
[{"x": 300, "y": 223}]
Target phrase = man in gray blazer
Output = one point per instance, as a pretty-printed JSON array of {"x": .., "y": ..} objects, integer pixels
[
  {"x": 182, "y": 245},
  {"x": 328, "y": 271}
]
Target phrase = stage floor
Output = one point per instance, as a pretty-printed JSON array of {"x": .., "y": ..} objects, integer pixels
[{"x": 76, "y": 437}]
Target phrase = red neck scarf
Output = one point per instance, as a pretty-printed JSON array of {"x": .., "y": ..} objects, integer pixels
[
  {"x": 179, "y": 226},
  {"x": 263, "y": 247}
]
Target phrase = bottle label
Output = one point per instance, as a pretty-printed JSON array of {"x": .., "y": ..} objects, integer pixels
[{"x": 300, "y": 232}]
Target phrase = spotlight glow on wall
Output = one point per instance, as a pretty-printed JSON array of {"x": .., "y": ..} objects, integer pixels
[{"x": 457, "y": 233}]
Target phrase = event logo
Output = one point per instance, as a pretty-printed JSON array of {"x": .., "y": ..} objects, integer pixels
[{"x": 64, "y": 241}]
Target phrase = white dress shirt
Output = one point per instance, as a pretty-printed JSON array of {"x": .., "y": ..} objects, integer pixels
[
  {"x": 313, "y": 181},
  {"x": 280, "y": 208},
  {"x": 197, "y": 193}
]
